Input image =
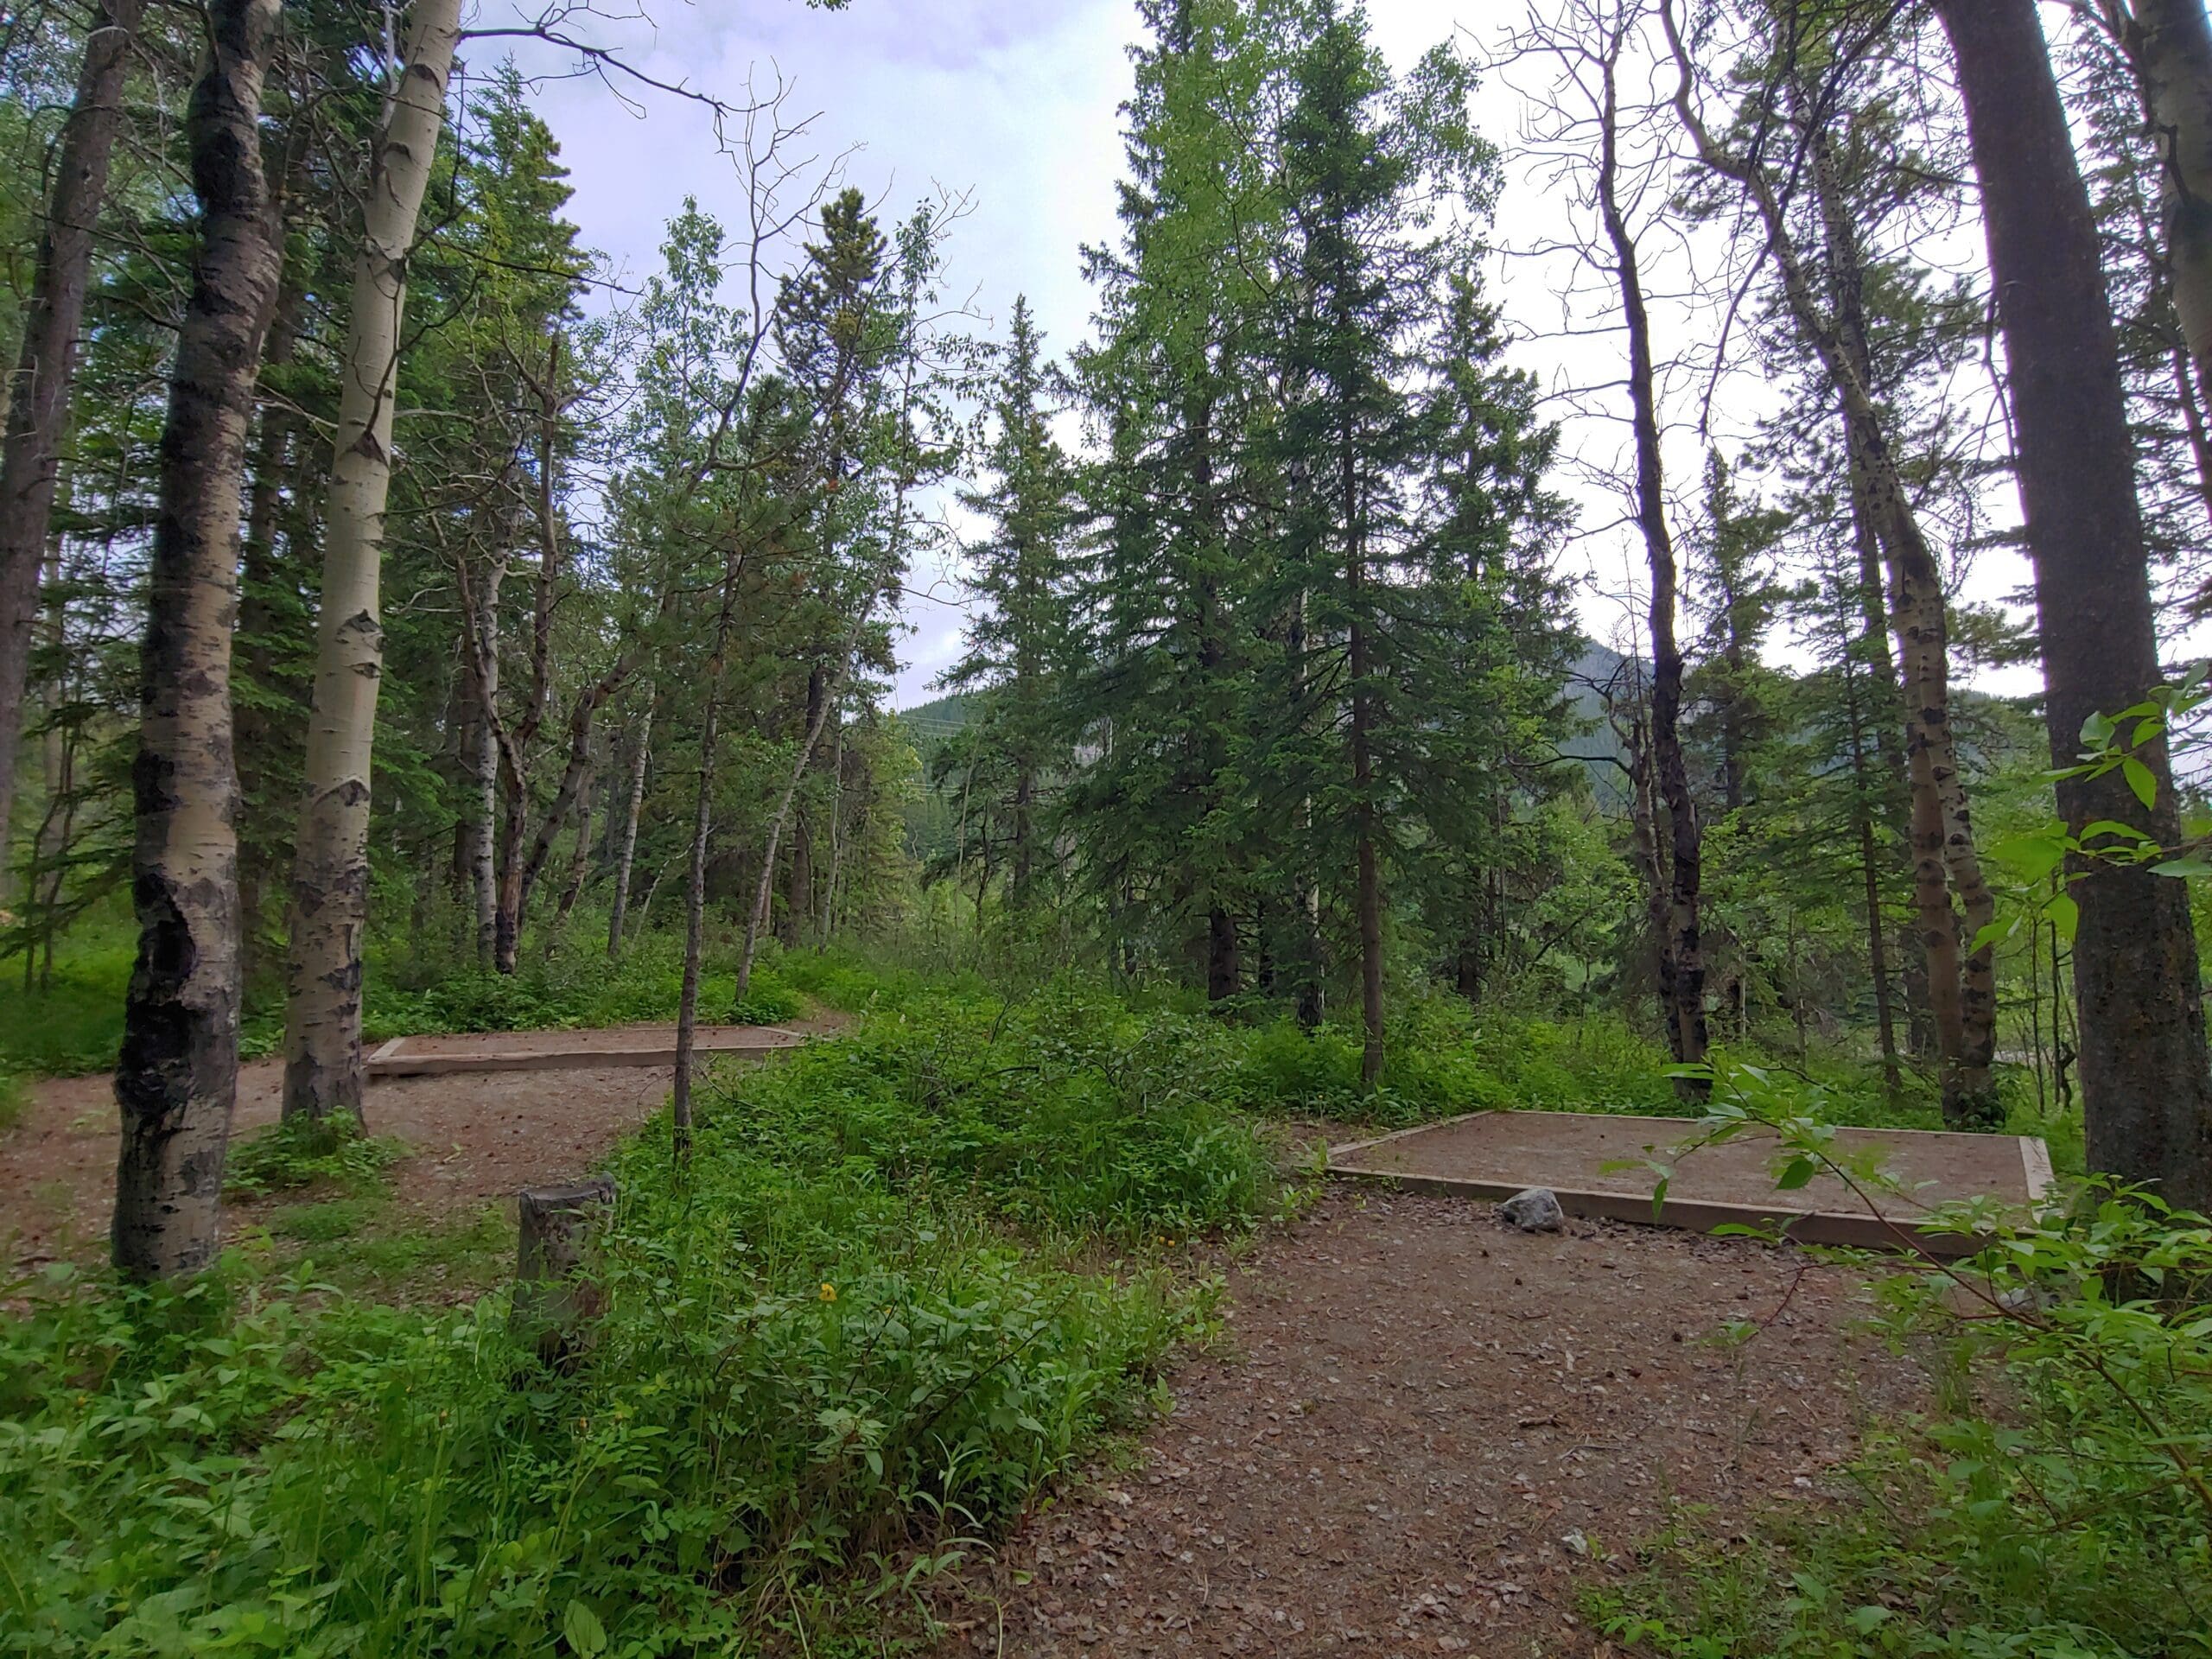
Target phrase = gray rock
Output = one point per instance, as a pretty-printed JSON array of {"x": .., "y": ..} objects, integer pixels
[{"x": 1534, "y": 1210}]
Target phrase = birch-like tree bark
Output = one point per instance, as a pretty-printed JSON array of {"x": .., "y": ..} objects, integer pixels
[
  {"x": 323, "y": 1070},
  {"x": 39, "y": 404},
  {"x": 481, "y": 645},
  {"x": 626, "y": 861},
  {"x": 176, "y": 1078}
]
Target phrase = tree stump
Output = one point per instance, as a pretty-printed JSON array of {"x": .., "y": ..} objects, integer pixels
[{"x": 555, "y": 1302}]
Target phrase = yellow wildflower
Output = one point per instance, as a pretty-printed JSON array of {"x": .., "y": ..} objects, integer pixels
[{"x": 828, "y": 1293}]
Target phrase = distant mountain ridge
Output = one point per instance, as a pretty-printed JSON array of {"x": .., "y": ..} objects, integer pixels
[{"x": 936, "y": 722}]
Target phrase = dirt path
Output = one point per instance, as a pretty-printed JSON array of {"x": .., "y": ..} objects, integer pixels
[
  {"x": 1421, "y": 1421},
  {"x": 477, "y": 1137}
]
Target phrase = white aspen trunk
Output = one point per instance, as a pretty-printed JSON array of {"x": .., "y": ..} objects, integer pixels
[
  {"x": 330, "y": 882},
  {"x": 34, "y": 407},
  {"x": 627, "y": 861},
  {"x": 176, "y": 1075}
]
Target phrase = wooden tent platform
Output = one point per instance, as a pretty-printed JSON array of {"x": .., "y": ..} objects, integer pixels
[
  {"x": 565, "y": 1051},
  {"x": 1492, "y": 1155}
]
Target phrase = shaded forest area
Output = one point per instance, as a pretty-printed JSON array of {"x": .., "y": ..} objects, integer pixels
[{"x": 414, "y": 620}]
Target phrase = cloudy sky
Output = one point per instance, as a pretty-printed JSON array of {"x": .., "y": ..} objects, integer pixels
[{"x": 1014, "y": 103}]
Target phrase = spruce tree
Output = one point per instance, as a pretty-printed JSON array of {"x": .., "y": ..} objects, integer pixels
[{"x": 1018, "y": 642}]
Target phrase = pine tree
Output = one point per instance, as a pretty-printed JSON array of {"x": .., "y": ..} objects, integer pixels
[
  {"x": 1020, "y": 574},
  {"x": 1176, "y": 379},
  {"x": 1496, "y": 665},
  {"x": 1732, "y": 574}
]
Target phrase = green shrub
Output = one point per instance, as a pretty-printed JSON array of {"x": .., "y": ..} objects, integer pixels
[
  {"x": 2055, "y": 1499},
  {"x": 869, "y": 1318},
  {"x": 1067, "y": 1113},
  {"x": 74, "y": 1025},
  {"x": 300, "y": 1152}
]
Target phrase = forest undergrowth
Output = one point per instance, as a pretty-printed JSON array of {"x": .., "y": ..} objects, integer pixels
[
  {"x": 906, "y": 1281},
  {"x": 908, "y": 1278},
  {"x": 2049, "y": 1498},
  {"x": 72, "y": 1023}
]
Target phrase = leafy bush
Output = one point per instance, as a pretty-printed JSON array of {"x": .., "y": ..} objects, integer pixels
[
  {"x": 75, "y": 1024},
  {"x": 827, "y": 1356},
  {"x": 300, "y": 1151},
  {"x": 767, "y": 1001},
  {"x": 2055, "y": 1500},
  {"x": 570, "y": 992}
]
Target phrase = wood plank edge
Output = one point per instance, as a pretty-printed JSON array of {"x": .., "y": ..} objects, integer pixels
[{"x": 1691, "y": 1215}]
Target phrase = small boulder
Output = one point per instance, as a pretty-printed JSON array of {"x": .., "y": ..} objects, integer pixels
[{"x": 1534, "y": 1209}]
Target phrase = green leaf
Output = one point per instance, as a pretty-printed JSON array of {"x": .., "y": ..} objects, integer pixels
[
  {"x": 2032, "y": 855},
  {"x": 585, "y": 1635},
  {"x": 2139, "y": 779},
  {"x": 2191, "y": 864},
  {"x": 1995, "y": 932},
  {"x": 2065, "y": 915},
  {"x": 2112, "y": 827},
  {"x": 2096, "y": 731},
  {"x": 1799, "y": 1172}
]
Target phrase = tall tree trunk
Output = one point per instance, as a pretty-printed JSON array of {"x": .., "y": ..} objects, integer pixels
[
  {"x": 481, "y": 644},
  {"x": 1644, "y": 850},
  {"x": 826, "y": 919},
  {"x": 39, "y": 406},
  {"x": 176, "y": 1078},
  {"x": 516, "y": 873},
  {"x": 1684, "y": 943},
  {"x": 579, "y": 855},
  {"x": 256, "y": 734},
  {"x": 1870, "y": 869},
  {"x": 757, "y": 916},
  {"x": 695, "y": 923},
  {"x": 330, "y": 872},
  {"x": 798, "y": 890},
  {"x": 627, "y": 860},
  {"x": 2146, "y": 1095},
  {"x": 1962, "y": 983},
  {"x": 1889, "y": 752},
  {"x": 2169, "y": 43},
  {"x": 1308, "y": 1002},
  {"x": 695, "y": 885},
  {"x": 1224, "y": 960},
  {"x": 1368, "y": 897},
  {"x": 519, "y": 880}
]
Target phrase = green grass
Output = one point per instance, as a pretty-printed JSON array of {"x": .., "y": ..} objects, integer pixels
[
  {"x": 577, "y": 990},
  {"x": 75, "y": 1024},
  {"x": 298, "y": 1152},
  {"x": 907, "y": 1278},
  {"x": 2051, "y": 1496}
]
